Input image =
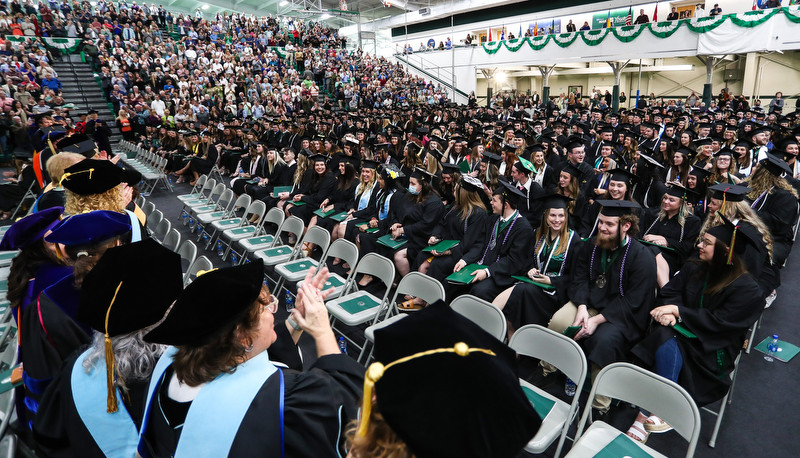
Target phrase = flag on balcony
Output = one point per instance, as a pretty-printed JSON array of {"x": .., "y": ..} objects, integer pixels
[
  {"x": 655, "y": 13},
  {"x": 608, "y": 19},
  {"x": 490, "y": 34},
  {"x": 629, "y": 17},
  {"x": 553, "y": 25},
  {"x": 535, "y": 29},
  {"x": 520, "y": 31},
  {"x": 755, "y": 5},
  {"x": 503, "y": 33}
]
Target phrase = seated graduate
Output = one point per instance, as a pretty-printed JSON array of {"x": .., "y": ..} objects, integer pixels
[
  {"x": 620, "y": 185},
  {"x": 611, "y": 292},
  {"x": 697, "y": 182},
  {"x": 216, "y": 393},
  {"x": 303, "y": 170},
  {"x": 49, "y": 329},
  {"x": 416, "y": 218},
  {"x": 347, "y": 182},
  {"x": 554, "y": 249},
  {"x": 569, "y": 186},
  {"x": 672, "y": 231},
  {"x": 703, "y": 316},
  {"x": 506, "y": 247},
  {"x": 363, "y": 196},
  {"x": 250, "y": 167},
  {"x": 274, "y": 172},
  {"x": 376, "y": 214},
  {"x": 530, "y": 207},
  {"x": 318, "y": 188},
  {"x": 649, "y": 188},
  {"x": 466, "y": 221},
  {"x": 457, "y": 360},
  {"x": 93, "y": 408}
]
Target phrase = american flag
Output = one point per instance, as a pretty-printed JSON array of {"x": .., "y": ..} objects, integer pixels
[{"x": 629, "y": 17}]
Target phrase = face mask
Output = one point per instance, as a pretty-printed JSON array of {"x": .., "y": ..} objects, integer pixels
[{"x": 412, "y": 190}]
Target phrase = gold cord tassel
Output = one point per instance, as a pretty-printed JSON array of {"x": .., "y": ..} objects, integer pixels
[
  {"x": 733, "y": 242},
  {"x": 111, "y": 399}
]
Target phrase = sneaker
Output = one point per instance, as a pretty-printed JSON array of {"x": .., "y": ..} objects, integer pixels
[{"x": 770, "y": 299}]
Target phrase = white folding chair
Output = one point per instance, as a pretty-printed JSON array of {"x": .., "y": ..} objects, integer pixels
[
  {"x": 355, "y": 307},
  {"x": 148, "y": 208},
  {"x": 347, "y": 252},
  {"x": 416, "y": 284},
  {"x": 274, "y": 250},
  {"x": 648, "y": 391},
  {"x": 201, "y": 186},
  {"x": 296, "y": 269},
  {"x": 567, "y": 356},
  {"x": 153, "y": 220},
  {"x": 188, "y": 253},
  {"x": 187, "y": 213},
  {"x": 172, "y": 239},
  {"x": 724, "y": 403},
  {"x": 228, "y": 215},
  {"x": 161, "y": 231},
  {"x": 233, "y": 231},
  {"x": 199, "y": 264},
  {"x": 482, "y": 313},
  {"x": 279, "y": 254}
]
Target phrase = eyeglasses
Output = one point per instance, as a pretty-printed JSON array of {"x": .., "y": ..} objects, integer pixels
[{"x": 272, "y": 306}]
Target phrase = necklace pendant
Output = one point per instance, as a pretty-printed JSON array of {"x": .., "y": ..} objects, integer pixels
[{"x": 601, "y": 281}]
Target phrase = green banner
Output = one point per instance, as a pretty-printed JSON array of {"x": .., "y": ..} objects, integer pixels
[{"x": 617, "y": 17}]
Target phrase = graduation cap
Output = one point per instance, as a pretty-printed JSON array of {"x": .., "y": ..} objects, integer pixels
[
  {"x": 196, "y": 318},
  {"x": 449, "y": 169},
  {"x": 352, "y": 141},
  {"x": 91, "y": 176},
  {"x": 490, "y": 158},
  {"x": 391, "y": 172},
  {"x": 572, "y": 170},
  {"x": 470, "y": 183},
  {"x": 728, "y": 192},
  {"x": 89, "y": 228},
  {"x": 523, "y": 165},
  {"x": 319, "y": 158},
  {"x": 617, "y": 207},
  {"x": 703, "y": 142},
  {"x": 727, "y": 151},
  {"x": 731, "y": 234},
  {"x": 30, "y": 229},
  {"x": 508, "y": 191},
  {"x": 624, "y": 176},
  {"x": 458, "y": 361},
  {"x": 438, "y": 139},
  {"x": 681, "y": 192},
  {"x": 700, "y": 173},
  {"x": 78, "y": 143},
  {"x": 606, "y": 129},
  {"x": 757, "y": 129},
  {"x": 775, "y": 165},
  {"x": 369, "y": 164},
  {"x": 573, "y": 141},
  {"x": 781, "y": 145},
  {"x": 744, "y": 143},
  {"x": 422, "y": 175},
  {"x": 555, "y": 201},
  {"x": 413, "y": 148},
  {"x": 436, "y": 153},
  {"x": 52, "y": 133},
  {"x": 131, "y": 176},
  {"x": 651, "y": 125},
  {"x": 131, "y": 287}
]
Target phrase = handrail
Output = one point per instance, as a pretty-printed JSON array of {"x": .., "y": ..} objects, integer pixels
[{"x": 446, "y": 84}]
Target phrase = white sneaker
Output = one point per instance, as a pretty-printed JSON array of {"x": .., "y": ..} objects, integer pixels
[{"x": 771, "y": 298}]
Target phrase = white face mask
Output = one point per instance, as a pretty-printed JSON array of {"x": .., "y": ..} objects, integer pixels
[{"x": 413, "y": 190}]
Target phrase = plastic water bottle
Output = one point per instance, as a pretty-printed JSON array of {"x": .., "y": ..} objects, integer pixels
[
  {"x": 234, "y": 259},
  {"x": 772, "y": 349},
  {"x": 289, "y": 301},
  {"x": 342, "y": 345},
  {"x": 220, "y": 250},
  {"x": 570, "y": 388}
]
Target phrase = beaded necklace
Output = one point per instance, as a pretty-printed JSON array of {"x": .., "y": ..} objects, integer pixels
[
  {"x": 495, "y": 232},
  {"x": 621, "y": 271}
]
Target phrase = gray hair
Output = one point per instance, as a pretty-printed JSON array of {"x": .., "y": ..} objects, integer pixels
[{"x": 135, "y": 358}]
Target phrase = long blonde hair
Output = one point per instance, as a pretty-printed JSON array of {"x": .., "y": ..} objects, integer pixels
[
  {"x": 467, "y": 202},
  {"x": 740, "y": 211},
  {"x": 763, "y": 180},
  {"x": 302, "y": 165},
  {"x": 362, "y": 186}
]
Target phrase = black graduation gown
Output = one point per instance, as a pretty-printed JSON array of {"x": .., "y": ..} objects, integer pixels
[
  {"x": 239, "y": 184},
  {"x": 418, "y": 220},
  {"x": 318, "y": 405},
  {"x": 626, "y": 311},
  {"x": 778, "y": 210},
  {"x": 530, "y": 304},
  {"x": 340, "y": 199},
  {"x": 720, "y": 325},
  {"x": 471, "y": 234},
  {"x": 203, "y": 165},
  {"x": 511, "y": 255},
  {"x": 49, "y": 335},
  {"x": 531, "y": 207},
  {"x": 681, "y": 240},
  {"x": 368, "y": 242},
  {"x": 649, "y": 196},
  {"x": 313, "y": 195}
]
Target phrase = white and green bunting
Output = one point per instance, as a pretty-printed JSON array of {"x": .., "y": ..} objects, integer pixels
[
  {"x": 65, "y": 45},
  {"x": 629, "y": 33}
]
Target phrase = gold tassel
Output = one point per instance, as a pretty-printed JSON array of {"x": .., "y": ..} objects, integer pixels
[
  {"x": 376, "y": 371},
  {"x": 111, "y": 398},
  {"x": 733, "y": 242}
]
